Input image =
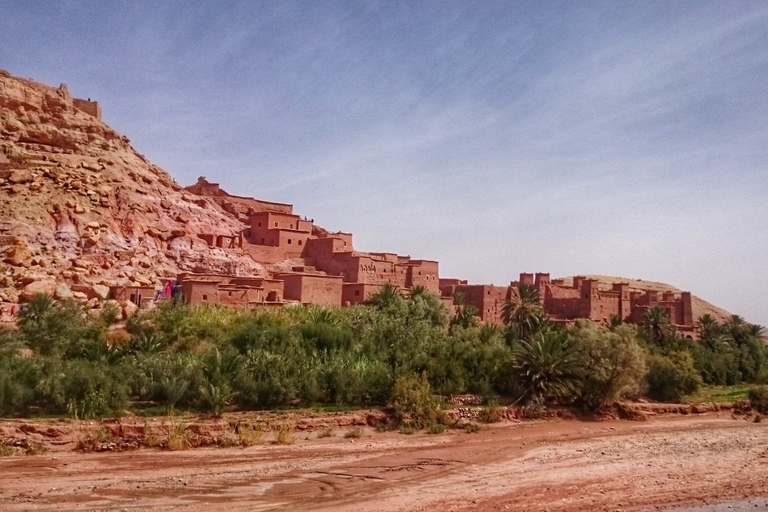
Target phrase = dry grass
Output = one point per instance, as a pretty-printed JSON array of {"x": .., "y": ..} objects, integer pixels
[
  {"x": 327, "y": 432},
  {"x": 249, "y": 434},
  {"x": 91, "y": 441},
  {"x": 354, "y": 433},
  {"x": 284, "y": 434},
  {"x": 7, "y": 450},
  {"x": 178, "y": 437}
]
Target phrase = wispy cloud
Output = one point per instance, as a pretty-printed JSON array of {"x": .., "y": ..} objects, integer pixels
[{"x": 497, "y": 137}]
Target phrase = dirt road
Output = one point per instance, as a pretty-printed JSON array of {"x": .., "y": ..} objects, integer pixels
[{"x": 666, "y": 462}]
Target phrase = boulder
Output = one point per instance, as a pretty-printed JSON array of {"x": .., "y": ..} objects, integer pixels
[
  {"x": 129, "y": 308},
  {"x": 19, "y": 255},
  {"x": 62, "y": 292},
  {"x": 20, "y": 176},
  {"x": 32, "y": 289},
  {"x": 98, "y": 291}
]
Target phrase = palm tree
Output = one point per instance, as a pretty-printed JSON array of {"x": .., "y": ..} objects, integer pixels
[
  {"x": 756, "y": 331},
  {"x": 546, "y": 366},
  {"x": 656, "y": 322},
  {"x": 459, "y": 299},
  {"x": 614, "y": 322},
  {"x": 320, "y": 315},
  {"x": 524, "y": 312},
  {"x": 387, "y": 295},
  {"x": 37, "y": 307},
  {"x": 466, "y": 316},
  {"x": 488, "y": 332},
  {"x": 418, "y": 291}
]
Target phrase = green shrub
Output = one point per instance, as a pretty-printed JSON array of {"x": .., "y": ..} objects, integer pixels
[
  {"x": 472, "y": 428},
  {"x": 758, "y": 398},
  {"x": 412, "y": 399},
  {"x": 436, "y": 428},
  {"x": 612, "y": 362},
  {"x": 671, "y": 378},
  {"x": 491, "y": 414}
]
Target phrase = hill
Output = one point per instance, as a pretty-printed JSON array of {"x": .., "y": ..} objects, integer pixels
[{"x": 80, "y": 207}]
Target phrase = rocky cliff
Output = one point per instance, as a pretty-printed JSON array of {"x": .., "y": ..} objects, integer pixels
[{"x": 80, "y": 209}]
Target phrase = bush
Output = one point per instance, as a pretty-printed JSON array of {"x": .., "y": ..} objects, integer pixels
[
  {"x": 472, "y": 428},
  {"x": 412, "y": 399},
  {"x": 354, "y": 433},
  {"x": 758, "y": 398},
  {"x": 613, "y": 363},
  {"x": 249, "y": 434},
  {"x": 326, "y": 432},
  {"x": 436, "y": 428},
  {"x": 671, "y": 378},
  {"x": 284, "y": 434},
  {"x": 491, "y": 414}
]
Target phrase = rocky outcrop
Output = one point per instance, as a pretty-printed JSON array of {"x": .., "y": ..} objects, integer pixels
[{"x": 80, "y": 207}]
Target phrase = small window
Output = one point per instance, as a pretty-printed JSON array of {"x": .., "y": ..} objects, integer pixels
[
  {"x": 205, "y": 297},
  {"x": 385, "y": 271},
  {"x": 357, "y": 292},
  {"x": 291, "y": 226},
  {"x": 419, "y": 272},
  {"x": 275, "y": 223},
  {"x": 299, "y": 242},
  {"x": 230, "y": 294},
  {"x": 259, "y": 224},
  {"x": 345, "y": 244},
  {"x": 289, "y": 241}
]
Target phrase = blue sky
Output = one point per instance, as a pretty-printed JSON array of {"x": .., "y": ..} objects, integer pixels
[{"x": 620, "y": 138}]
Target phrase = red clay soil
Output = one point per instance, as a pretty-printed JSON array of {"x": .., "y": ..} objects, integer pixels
[{"x": 667, "y": 461}]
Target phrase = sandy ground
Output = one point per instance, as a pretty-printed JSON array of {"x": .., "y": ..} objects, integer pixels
[{"x": 663, "y": 463}]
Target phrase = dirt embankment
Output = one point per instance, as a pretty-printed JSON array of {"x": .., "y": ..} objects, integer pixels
[{"x": 562, "y": 464}]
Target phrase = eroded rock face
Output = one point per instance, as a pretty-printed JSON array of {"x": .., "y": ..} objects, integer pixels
[{"x": 79, "y": 206}]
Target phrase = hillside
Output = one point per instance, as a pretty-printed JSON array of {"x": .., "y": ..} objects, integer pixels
[{"x": 80, "y": 206}]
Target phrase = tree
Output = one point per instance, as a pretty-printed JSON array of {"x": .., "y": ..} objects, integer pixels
[
  {"x": 466, "y": 316},
  {"x": 523, "y": 312},
  {"x": 37, "y": 308},
  {"x": 612, "y": 361},
  {"x": 546, "y": 367},
  {"x": 387, "y": 297},
  {"x": 656, "y": 323}
]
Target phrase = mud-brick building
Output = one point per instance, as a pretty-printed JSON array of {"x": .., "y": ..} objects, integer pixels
[
  {"x": 322, "y": 290},
  {"x": 583, "y": 298},
  {"x": 229, "y": 290},
  {"x": 488, "y": 299}
]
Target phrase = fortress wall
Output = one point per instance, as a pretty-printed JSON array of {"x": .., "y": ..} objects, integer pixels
[{"x": 91, "y": 108}]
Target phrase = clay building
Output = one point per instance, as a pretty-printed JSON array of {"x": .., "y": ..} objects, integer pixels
[
  {"x": 488, "y": 299},
  {"x": 136, "y": 293},
  {"x": 582, "y": 299},
  {"x": 229, "y": 290},
  {"x": 322, "y": 290}
]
